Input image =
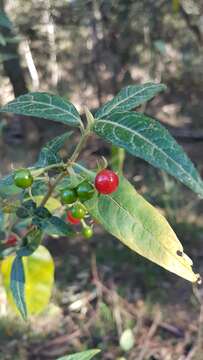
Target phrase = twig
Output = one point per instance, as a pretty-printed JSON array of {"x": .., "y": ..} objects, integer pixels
[
  {"x": 52, "y": 188},
  {"x": 72, "y": 159},
  {"x": 196, "y": 352},
  {"x": 95, "y": 276},
  {"x": 150, "y": 334}
]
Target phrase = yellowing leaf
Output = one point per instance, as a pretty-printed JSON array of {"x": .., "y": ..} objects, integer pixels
[
  {"x": 39, "y": 277},
  {"x": 52, "y": 204},
  {"x": 140, "y": 226}
]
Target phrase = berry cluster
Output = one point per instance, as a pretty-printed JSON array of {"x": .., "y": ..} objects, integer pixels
[
  {"x": 106, "y": 182},
  {"x": 75, "y": 198}
]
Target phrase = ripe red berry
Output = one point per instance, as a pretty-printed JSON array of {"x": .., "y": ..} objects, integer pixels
[
  {"x": 106, "y": 182},
  {"x": 71, "y": 218},
  {"x": 11, "y": 241}
]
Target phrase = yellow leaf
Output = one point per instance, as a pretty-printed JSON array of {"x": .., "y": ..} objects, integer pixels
[
  {"x": 39, "y": 278},
  {"x": 52, "y": 204},
  {"x": 141, "y": 227}
]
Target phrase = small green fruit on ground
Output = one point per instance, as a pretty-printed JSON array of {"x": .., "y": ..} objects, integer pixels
[
  {"x": 78, "y": 211},
  {"x": 85, "y": 191},
  {"x": 68, "y": 196},
  {"x": 87, "y": 232},
  {"x": 23, "y": 178}
]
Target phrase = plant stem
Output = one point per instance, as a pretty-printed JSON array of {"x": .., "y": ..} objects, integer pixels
[
  {"x": 79, "y": 147},
  {"x": 52, "y": 187},
  {"x": 38, "y": 172},
  {"x": 72, "y": 159}
]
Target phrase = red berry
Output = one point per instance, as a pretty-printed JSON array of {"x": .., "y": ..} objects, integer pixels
[
  {"x": 106, "y": 182},
  {"x": 11, "y": 241},
  {"x": 72, "y": 219}
]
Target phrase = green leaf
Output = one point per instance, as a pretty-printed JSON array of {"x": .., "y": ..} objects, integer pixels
[
  {"x": 2, "y": 218},
  {"x": 129, "y": 217},
  {"x": 39, "y": 187},
  {"x": 85, "y": 355},
  {"x": 2, "y": 40},
  {"x": 30, "y": 242},
  {"x": 58, "y": 142},
  {"x": 38, "y": 279},
  {"x": 18, "y": 286},
  {"x": 129, "y": 98},
  {"x": 69, "y": 182},
  {"x": 146, "y": 138},
  {"x": 48, "y": 154},
  {"x": 4, "y": 20},
  {"x": 56, "y": 226},
  {"x": 7, "y": 187},
  {"x": 46, "y": 106}
]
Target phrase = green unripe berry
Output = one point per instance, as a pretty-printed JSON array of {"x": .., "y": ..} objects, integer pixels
[
  {"x": 68, "y": 196},
  {"x": 78, "y": 211},
  {"x": 87, "y": 232},
  {"x": 85, "y": 191},
  {"x": 23, "y": 178}
]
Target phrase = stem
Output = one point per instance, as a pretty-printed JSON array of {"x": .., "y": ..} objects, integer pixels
[
  {"x": 79, "y": 147},
  {"x": 52, "y": 188},
  {"x": 117, "y": 158},
  {"x": 38, "y": 172},
  {"x": 72, "y": 159}
]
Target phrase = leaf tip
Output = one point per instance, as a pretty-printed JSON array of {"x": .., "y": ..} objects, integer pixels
[{"x": 198, "y": 279}]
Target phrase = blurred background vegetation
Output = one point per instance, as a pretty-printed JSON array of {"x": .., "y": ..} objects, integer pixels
[{"x": 105, "y": 295}]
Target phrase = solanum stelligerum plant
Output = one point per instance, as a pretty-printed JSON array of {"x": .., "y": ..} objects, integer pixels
[{"x": 60, "y": 197}]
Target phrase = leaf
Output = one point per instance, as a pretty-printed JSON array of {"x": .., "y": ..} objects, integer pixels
[
  {"x": 4, "y": 21},
  {"x": 52, "y": 203},
  {"x": 2, "y": 40},
  {"x": 85, "y": 355},
  {"x": 48, "y": 154},
  {"x": 17, "y": 286},
  {"x": 146, "y": 138},
  {"x": 58, "y": 142},
  {"x": 30, "y": 242},
  {"x": 7, "y": 187},
  {"x": 69, "y": 182},
  {"x": 2, "y": 218},
  {"x": 129, "y": 98},
  {"x": 129, "y": 217},
  {"x": 39, "y": 277},
  {"x": 56, "y": 226},
  {"x": 46, "y": 106},
  {"x": 39, "y": 187}
]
